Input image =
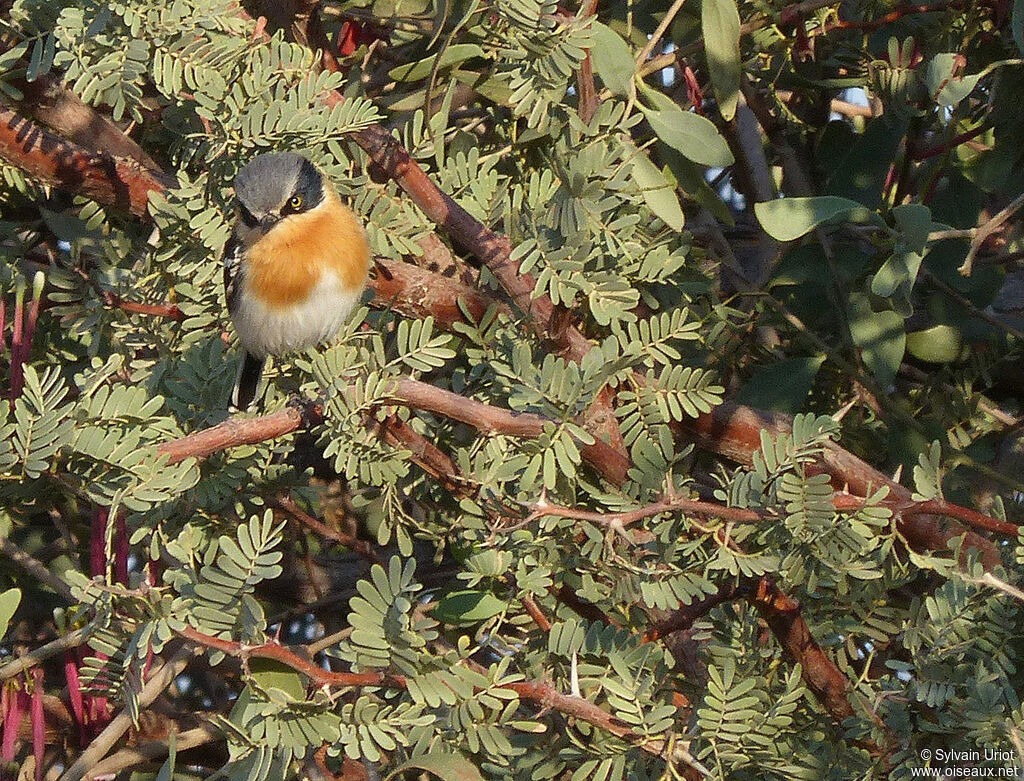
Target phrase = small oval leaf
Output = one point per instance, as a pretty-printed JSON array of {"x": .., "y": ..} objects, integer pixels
[
  {"x": 695, "y": 137},
  {"x": 659, "y": 194},
  {"x": 9, "y": 601},
  {"x": 786, "y": 219},
  {"x": 448, "y": 767},
  {"x": 468, "y": 607},
  {"x": 720, "y": 23},
  {"x": 612, "y": 59}
]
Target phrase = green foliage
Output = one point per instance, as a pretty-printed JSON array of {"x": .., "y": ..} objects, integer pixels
[{"x": 816, "y": 268}]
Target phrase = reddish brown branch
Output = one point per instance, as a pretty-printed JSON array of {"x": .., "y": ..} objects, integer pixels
[
  {"x": 683, "y": 618},
  {"x": 822, "y": 676},
  {"x": 675, "y": 504},
  {"x": 734, "y": 431},
  {"x": 611, "y": 464},
  {"x": 841, "y": 501},
  {"x": 57, "y": 107},
  {"x": 581, "y": 607},
  {"x": 233, "y": 432},
  {"x": 170, "y": 311},
  {"x": 536, "y": 614},
  {"x": 407, "y": 392},
  {"x": 934, "y": 507},
  {"x": 542, "y": 694},
  {"x": 416, "y": 292},
  {"x": 118, "y": 182},
  {"x": 300, "y": 516},
  {"x": 953, "y": 143},
  {"x": 426, "y": 455}
]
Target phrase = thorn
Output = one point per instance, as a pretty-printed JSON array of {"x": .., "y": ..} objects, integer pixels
[
  {"x": 841, "y": 413},
  {"x": 574, "y": 676}
]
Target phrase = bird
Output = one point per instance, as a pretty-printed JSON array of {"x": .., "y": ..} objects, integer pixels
[{"x": 295, "y": 265}]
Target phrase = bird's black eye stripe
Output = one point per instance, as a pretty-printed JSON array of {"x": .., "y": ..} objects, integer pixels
[
  {"x": 247, "y": 216},
  {"x": 308, "y": 193}
]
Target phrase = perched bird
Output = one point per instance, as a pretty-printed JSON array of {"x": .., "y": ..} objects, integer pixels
[{"x": 294, "y": 267}]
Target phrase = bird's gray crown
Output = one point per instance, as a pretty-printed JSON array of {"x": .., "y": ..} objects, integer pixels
[{"x": 267, "y": 181}]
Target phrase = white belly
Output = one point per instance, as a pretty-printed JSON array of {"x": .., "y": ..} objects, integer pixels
[{"x": 265, "y": 330}]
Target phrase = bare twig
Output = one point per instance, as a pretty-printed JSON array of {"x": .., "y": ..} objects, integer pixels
[
  {"x": 677, "y": 503},
  {"x": 287, "y": 504},
  {"x": 36, "y": 569},
  {"x": 659, "y": 31},
  {"x": 585, "y": 90},
  {"x": 986, "y": 230},
  {"x": 786, "y": 16},
  {"x": 157, "y": 749},
  {"x": 72, "y": 639},
  {"x": 541, "y": 620}
]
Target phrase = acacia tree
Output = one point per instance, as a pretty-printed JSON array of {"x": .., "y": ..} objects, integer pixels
[{"x": 544, "y": 510}]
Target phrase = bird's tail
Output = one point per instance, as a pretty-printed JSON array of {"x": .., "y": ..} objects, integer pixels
[{"x": 247, "y": 383}]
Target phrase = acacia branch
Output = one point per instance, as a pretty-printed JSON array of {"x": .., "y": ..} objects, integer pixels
[
  {"x": 840, "y": 501},
  {"x": 542, "y": 694},
  {"x": 425, "y": 454},
  {"x": 300, "y": 516},
  {"x": 416, "y": 292},
  {"x": 72, "y": 639},
  {"x": 897, "y": 13},
  {"x": 407, "y": 392},
  {"x": 986, "y": 230},
  {"x": 674, "y": 504},
  {"x": 55, "y": 161},
  {"x": 170, "y": 311},
  {"x": 60, "y": 109},
  {"x": 734, "y": 431},
  {"x": 683, "y": 618},
  {"x": 782, "y": 614},
  {"x": 36, "y": 569},
  {"x": 157, "y": 749},
  {"x": 236, "y": 431}
]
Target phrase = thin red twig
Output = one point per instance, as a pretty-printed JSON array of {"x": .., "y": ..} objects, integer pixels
[
  {"x": 300, "y": 516},
  {"x": 542, "y": 694}
]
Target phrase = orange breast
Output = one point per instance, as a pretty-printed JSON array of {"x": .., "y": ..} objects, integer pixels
[{"x": 284, "y": 266}]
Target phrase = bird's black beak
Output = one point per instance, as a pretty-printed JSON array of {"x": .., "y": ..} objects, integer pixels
[{"x": 268, "y": 221}]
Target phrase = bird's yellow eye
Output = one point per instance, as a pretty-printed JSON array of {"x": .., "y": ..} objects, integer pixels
[{"x": 295, "y": 202}]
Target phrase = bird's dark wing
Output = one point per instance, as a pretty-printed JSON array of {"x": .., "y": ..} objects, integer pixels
[{"x": 232, "y": 269}]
